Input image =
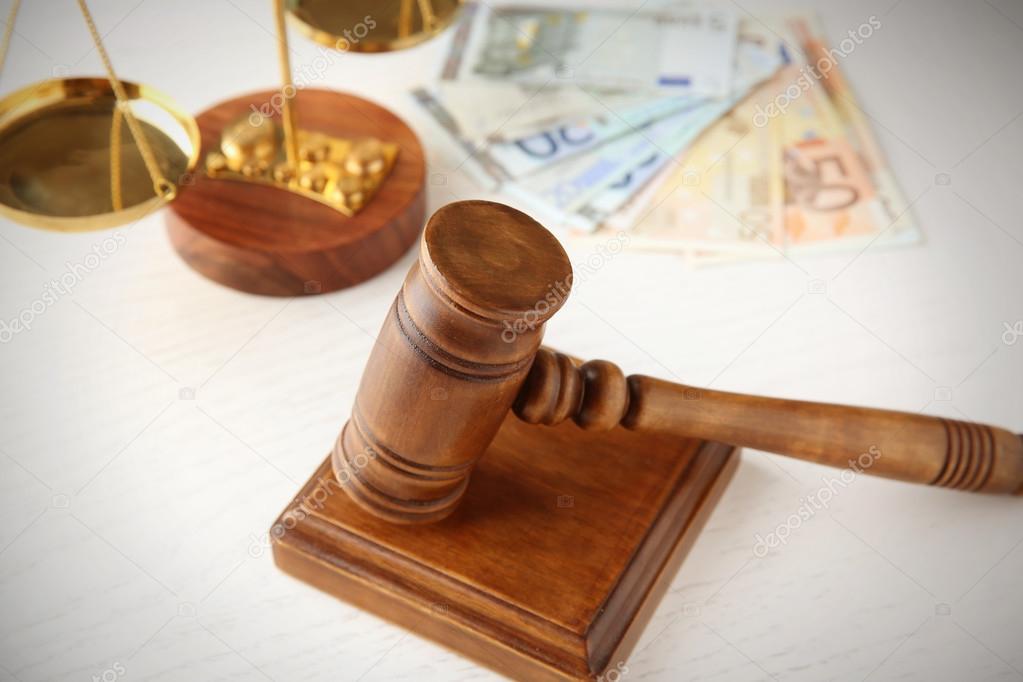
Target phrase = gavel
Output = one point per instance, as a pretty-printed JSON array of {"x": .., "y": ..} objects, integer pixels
[{"x": 461, "y": 346}]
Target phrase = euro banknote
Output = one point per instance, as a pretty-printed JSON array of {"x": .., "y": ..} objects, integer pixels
[
  {"x": 577, "y": 173},
  {"x": 722, "y": 201},
  {"x": 758, "y": 58},
  {"x": 677, "y": 48},
  {"x": 549, "y": 144}
]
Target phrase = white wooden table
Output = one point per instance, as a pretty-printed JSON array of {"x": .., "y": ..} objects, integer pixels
[{"x": 153, "y": 424}]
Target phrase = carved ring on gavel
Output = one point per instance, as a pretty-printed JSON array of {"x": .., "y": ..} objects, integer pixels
[{"x": 460, "y": 347}]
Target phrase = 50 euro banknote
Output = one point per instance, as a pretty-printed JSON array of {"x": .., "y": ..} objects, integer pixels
[
  {"x": 816, "y": 187},
  {"x": 837, "y": 192}
]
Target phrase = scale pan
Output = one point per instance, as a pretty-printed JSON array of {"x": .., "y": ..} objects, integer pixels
[
  {"x": 372, "y": 25},
  {"x": 56, "y": 138}
]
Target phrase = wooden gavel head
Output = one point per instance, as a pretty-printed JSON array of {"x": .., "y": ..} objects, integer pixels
[{"x": 450, "y": 359}]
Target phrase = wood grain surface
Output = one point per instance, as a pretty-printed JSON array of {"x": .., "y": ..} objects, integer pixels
[
  {"x": 950, "y": 453},
  {"x": 449, "y": 360},
  {"x": 550, "y": 566}
]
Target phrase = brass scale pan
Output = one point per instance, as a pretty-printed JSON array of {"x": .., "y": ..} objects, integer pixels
[{"x": 58, "y": 137}]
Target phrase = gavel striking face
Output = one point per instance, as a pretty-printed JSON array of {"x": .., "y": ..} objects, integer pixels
[{"x": 461, "y": 347}]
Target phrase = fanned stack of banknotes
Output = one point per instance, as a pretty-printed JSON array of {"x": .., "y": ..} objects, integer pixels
[{"x": 691, "y": 128}]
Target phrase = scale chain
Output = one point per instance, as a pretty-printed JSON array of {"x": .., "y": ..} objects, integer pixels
[{"x": 163, "y": 187}]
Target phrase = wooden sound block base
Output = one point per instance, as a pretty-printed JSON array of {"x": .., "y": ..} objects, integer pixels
[
  {"x": 265, "y": 240},
  {"x": 561, "y": 549}
]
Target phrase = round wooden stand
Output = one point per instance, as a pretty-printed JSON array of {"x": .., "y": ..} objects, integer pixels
[{"x": 264, "y": 240}]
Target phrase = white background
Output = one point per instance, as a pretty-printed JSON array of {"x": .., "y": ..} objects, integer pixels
[{"x": 131, "y": 519}]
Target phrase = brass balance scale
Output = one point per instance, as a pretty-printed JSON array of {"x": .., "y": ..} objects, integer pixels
[{"x": 284, "y": 192}]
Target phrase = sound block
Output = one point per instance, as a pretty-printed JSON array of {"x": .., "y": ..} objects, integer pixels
[
  {"x": 265, "y": 240},
  {"x": 551, "y": 566}
]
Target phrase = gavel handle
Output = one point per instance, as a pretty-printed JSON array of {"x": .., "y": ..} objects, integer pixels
[{"x": 910, "y": 447}]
